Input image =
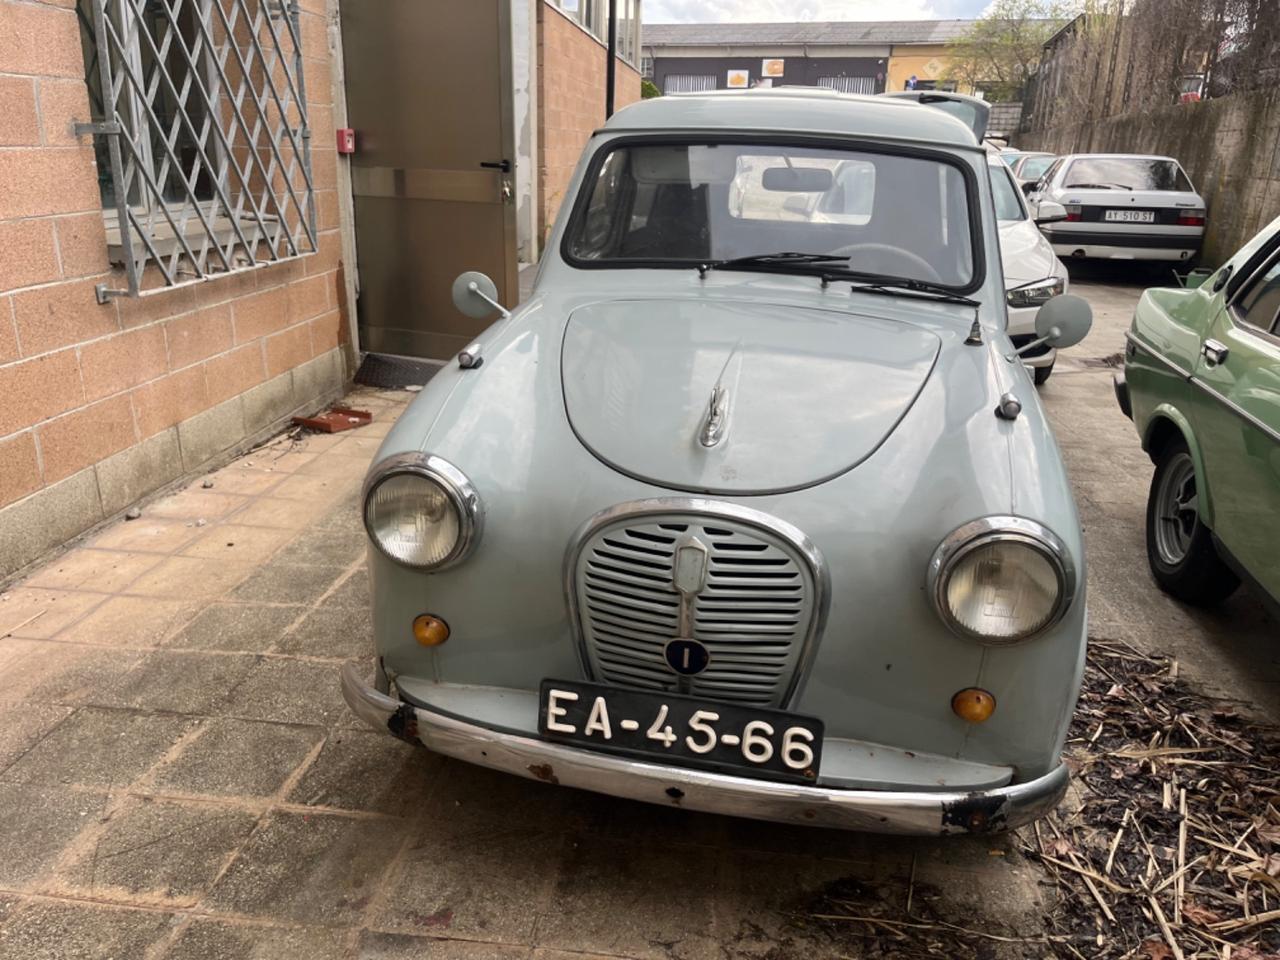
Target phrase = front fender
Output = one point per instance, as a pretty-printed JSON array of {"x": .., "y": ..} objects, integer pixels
[{"x": 1164, "y": 420}]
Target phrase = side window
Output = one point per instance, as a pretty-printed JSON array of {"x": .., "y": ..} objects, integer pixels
[
  {"x": 604, "y": 200},
  {"x": 1259, "y": 304}
]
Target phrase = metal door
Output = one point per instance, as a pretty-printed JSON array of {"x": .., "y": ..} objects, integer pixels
[{"x": 428, "y": 86}]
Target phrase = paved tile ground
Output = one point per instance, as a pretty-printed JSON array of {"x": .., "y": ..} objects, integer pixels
[{"x": 180, "y": 780}]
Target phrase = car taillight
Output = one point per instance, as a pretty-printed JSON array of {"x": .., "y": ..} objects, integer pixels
[
  {"x": 1191, "y": 218},
  {"x": 1074, "y": 211}
]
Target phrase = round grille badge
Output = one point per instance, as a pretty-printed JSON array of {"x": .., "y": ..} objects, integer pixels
[{"x": 686, "y": 657}]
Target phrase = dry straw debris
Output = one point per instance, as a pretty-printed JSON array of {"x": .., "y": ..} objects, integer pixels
[{"x": 1174, "y": 852}]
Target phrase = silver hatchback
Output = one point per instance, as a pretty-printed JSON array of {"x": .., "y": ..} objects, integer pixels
[{"x": 1122, "y": 207}]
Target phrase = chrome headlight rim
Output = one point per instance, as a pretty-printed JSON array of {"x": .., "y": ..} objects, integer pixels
[
  {"x": 1036, "y": 293},
  {"x": 996, "y": 529},
  {"x": 456, "y": 486}
]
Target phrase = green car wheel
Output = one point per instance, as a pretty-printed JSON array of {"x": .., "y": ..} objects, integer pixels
[{"x": 1180, "y": 547}]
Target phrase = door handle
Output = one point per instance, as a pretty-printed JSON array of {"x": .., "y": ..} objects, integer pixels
[
  {"x": 1214, "y": 352},
  {"x": 503, "y": 165}
]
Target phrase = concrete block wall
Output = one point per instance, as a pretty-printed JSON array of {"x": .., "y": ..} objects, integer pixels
[
  {"x": 1230, "y": 148},
  {"x": 571, "y": 86},
  {"x": 102, "y": 403}
]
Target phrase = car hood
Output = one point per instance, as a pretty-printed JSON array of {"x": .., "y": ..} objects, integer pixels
[
  {"x": 802, "y": 394},
  {"x": 1025, "y": 255}
]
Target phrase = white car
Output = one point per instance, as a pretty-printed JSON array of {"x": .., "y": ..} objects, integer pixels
[
  {"x": 1028, "y": 168},
  {"x": 1033, "y": 274},
  {"x": 1122, "y": 207}
]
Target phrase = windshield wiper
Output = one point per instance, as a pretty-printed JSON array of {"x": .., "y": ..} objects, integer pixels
[
  {"x": 782, "y": 259},
  {"x": 902, "y": 286},
  {"x": 1098, "y": 186}
]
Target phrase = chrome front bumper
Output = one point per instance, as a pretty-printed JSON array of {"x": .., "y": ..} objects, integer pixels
[{"x": 876, "y": 811}]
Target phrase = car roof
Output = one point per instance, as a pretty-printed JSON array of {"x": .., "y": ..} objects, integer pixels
[
  {"x": 796, "y": 110},
  {"x": 1117, "y": 156}
]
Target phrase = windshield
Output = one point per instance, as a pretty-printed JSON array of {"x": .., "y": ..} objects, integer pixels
[
  {"x": 1126, "y": 173},
  {"x": 1005, "y": 192},
  {"x": 1033, "y": 168},
  {"x": 691, "y": 203}
]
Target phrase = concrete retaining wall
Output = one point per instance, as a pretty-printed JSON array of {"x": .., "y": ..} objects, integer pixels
[{"x": 1230, "y": 148}]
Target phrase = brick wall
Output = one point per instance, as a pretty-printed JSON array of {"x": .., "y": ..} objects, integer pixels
[
  {"x": 101, "y": 404},
  {"x": 571, "y": 86}
]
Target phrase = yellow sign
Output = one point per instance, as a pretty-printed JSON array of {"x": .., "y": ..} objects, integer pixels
[
  {"x": 772, "y": 68},
  {"x": 739, "y": 79}
]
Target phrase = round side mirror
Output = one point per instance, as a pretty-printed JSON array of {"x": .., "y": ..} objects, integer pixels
[
  {"x": 475, "y": 295},
  {"x": 1064, "y": 321}
]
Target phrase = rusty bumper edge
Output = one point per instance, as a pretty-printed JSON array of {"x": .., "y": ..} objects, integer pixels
[{"x": 877, "y": 811}]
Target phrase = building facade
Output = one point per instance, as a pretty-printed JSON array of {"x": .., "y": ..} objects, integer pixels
[
  {"x": 179, "y": 255},
  {"x": 851, "y": 56},
  {"x": 171, "y": 285},
  {"x": 572, "y": 37}
]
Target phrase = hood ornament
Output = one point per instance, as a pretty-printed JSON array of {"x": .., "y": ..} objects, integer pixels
[{"x": 717, "y": 419}]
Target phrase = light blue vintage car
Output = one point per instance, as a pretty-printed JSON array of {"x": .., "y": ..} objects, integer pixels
[{"x": 745, "y": 510}]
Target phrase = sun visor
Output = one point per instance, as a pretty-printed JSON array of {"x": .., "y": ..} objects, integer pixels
[{"x": 684, "y": 164}]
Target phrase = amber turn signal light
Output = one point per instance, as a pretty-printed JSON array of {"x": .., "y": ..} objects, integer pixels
[
  {"x": 430, "y": 631},
  {"x": 973, "y": 705}
]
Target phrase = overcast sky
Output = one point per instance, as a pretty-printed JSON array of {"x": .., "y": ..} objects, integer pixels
[{"x": 750, "y": 11}]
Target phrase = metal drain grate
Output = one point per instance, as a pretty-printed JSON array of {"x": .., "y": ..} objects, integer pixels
[{"x": 388, "y": 371}]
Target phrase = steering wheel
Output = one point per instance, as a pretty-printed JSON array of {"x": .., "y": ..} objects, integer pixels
[{"x": 889, "y": 248}]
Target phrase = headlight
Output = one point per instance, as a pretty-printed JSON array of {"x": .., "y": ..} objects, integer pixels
[
  {"x": 421, "y": 511},
  {"x": 1001, "y": 580},
  {"x": 1035, "y": 294}
]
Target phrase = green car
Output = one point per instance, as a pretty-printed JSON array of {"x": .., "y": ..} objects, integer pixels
[{"x": 1201, "y": 382}]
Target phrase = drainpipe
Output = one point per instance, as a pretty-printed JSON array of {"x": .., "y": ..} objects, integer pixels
[{"x": 612, "y": 69}]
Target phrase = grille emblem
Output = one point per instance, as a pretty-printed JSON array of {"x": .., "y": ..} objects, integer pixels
[
  {"x": 686, "y": 656},
  {"x": 691, "y": 567}
]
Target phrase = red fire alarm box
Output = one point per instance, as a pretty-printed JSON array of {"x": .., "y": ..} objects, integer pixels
[{"x": 346, "y": 140}]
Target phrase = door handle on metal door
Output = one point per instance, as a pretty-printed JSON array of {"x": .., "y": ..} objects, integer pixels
[
  {"x": 1214, "y": 352},
  {"x": 503, "y": 165}
]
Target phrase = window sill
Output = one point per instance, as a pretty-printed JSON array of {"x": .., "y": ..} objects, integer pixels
[{"x": 165, "y": 240}]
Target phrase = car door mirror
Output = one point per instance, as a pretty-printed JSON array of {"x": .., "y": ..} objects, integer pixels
[
  {"x": 1064, "y": 321},
  {"x": 1047, "y": 211},
  {"x": 476, "y": 296}
]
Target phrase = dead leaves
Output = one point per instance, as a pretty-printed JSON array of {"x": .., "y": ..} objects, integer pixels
[{"x": 1174, "y": 852}]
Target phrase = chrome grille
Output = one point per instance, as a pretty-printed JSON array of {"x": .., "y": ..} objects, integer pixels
[{"x": 754, "y": 612}]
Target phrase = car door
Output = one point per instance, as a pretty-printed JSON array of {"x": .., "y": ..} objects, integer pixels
[{"x": 1237, "y": 423}]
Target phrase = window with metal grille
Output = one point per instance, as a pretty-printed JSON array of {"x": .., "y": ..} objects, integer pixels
[
  {"x": 201, "y": 136},
  {"x": 865, "y": 85},
  {"x": 688, "y": 83}
]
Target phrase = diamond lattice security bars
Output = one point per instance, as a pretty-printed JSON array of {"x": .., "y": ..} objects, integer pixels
[{"x": 204, "y": 119}]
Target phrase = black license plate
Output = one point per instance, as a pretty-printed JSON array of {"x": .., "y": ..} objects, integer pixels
[{"x": 682, "y": 730}]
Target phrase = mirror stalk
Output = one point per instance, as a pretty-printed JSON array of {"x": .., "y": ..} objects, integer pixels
[
  {"x": 476, "y": 291},
  {"x": 1053, "y": 334}
]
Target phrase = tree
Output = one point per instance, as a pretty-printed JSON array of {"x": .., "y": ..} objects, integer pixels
[
  {"x": 649, "y": 90},
  {"x": 1001, "y": 50}
]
